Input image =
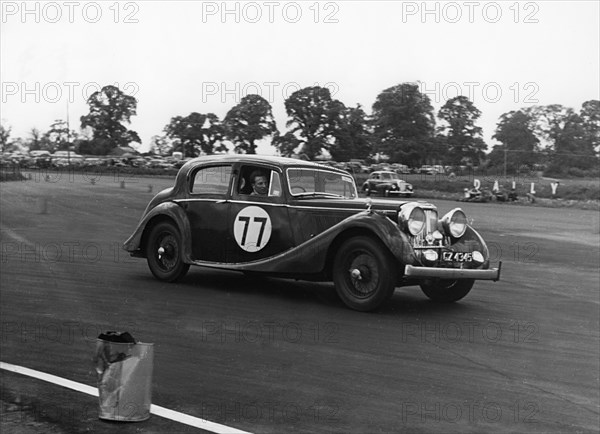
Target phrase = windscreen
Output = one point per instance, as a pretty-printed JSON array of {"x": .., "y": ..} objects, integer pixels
[{"x": 319, "y": 182}]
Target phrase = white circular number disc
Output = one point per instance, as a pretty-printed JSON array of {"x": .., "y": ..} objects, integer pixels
[{"x": 252, "y": 228}]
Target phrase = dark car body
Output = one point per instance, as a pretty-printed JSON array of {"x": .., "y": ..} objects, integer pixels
[
  {"x": 386, "y": 182},
  {"x": 311, "y": 225}
]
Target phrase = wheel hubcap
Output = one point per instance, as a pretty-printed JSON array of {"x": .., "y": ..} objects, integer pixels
[
  {"x": 167, "y": 253},
  {"x": 363, "y": 274}
]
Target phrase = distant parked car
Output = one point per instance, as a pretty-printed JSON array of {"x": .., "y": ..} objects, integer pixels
[
  {"x": 426, "y": 169},
  {"x": 386, "y": 183},
  {"x": 439, "y": 169},
  {"x": 400, "y": 168}
]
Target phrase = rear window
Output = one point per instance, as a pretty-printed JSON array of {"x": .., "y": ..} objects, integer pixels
[{"x": 212, "y": 180}]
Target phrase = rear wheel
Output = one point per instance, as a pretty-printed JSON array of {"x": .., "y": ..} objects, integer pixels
[
  {"x": 164, "y": 253},
  {"x": 363, "y": 273},
  {"x": 447, "y": 291}
]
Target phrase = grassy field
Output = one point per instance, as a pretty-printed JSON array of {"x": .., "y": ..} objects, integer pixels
[{"x": 568, "y": 191}]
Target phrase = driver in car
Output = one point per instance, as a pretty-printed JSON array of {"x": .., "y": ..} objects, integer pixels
[{"x": 260, "y": 183}]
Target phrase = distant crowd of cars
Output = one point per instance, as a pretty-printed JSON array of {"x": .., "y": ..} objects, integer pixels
[
  {"x": 384, "y": 178},
  {"x": 358, "y": 167},
  {"x": 44, "y": 159}
]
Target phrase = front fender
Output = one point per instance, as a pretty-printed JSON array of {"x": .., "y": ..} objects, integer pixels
[
  {"x": 170, "y": 210},
  {"x": 470, "y": 241}
]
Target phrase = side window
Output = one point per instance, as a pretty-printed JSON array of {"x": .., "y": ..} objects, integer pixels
[
  {"x": 259, "y": 182},
  {"x": 212, "y": 180},
  {"x": 275, "y": 184}
]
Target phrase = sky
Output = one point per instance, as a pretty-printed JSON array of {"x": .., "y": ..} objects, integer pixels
[{"x": 181, "y": 57}]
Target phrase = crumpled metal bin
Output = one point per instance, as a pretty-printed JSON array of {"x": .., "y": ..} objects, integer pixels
[{"x": 124, "y": 368}]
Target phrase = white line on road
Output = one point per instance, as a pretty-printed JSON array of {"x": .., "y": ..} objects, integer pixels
[{"x": 154, "y": 409}]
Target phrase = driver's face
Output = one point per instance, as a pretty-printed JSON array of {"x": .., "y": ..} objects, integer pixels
[{"x": 261, "y": 186}]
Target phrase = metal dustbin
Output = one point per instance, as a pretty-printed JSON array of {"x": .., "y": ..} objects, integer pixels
[{"x": 124, "y": 368}]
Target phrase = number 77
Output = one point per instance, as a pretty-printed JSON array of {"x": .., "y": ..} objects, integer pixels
[{"x": 261, "y": 220}]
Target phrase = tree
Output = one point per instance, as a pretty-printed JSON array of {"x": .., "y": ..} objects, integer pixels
[
  {"x": 571, "y": 138},
  {"x": 590, "y": 116},
  {"x": 36, "y": 142},
  {"x": 196, "y": 133},
  {"x": 404, "y": 124},
  {"x": 463, "y": 137},
  {"x": 109, "y": 109},
  {"x": 161, "y": 145},
  {"x": 286, "y": 144},
  {"x": 249, "y": 121},
  {"x": 312, "y": 115},
  {"x": 352, "y": 135},
  {"x": 519, "y": 143},
  {"x": 573, "y": 147},
  {"x": 58, "y": 137},
  {"x": 4, "y": 135},
  {"x": 548, "y": 122}
]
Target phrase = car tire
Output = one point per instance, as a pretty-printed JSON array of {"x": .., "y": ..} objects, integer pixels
[
  {"x": 164, "y": 253},
  {"x": 447, "y": 291},
  {"x": 364, "y": 273}
]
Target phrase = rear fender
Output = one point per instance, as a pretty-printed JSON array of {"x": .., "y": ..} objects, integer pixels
[{"x": 135, "y": 244}]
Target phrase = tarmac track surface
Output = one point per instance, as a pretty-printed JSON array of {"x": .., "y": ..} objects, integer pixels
[{"x": 272, "y": 356}]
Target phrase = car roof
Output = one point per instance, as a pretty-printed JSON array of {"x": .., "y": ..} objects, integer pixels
[
  {"x": 385, "y": 171},
  {"x": 255, "y": 158}
]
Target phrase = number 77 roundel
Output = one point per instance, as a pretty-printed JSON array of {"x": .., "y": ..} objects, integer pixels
[{"x": 252, "y": 228}]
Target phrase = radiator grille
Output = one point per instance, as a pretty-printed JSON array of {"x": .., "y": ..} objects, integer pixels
[{"x": 425, "y": 239}]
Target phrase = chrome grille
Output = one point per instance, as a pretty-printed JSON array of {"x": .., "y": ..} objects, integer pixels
[
  {"x": 425, "y": 239},
  {"x": 431, "y": 221}
]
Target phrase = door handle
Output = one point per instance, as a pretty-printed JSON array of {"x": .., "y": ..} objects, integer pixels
[{"x": 222, "y": 201}]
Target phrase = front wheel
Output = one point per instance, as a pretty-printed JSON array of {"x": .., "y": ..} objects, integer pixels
[
  {"x": 447, "y": 291},
  {"x": 164, "y": 253},
  {"x": 363, "y": 273}
]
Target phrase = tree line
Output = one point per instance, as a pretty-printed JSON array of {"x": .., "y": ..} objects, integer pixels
[{"x": 402, "y": 128}]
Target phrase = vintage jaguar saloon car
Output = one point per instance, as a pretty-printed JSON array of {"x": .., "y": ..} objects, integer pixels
[
  {"x": 386, "y": 183},
  {"x": 307, "y": 223}
]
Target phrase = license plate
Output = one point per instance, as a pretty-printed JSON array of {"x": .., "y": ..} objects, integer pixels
[{"x": 457, "y": 256}]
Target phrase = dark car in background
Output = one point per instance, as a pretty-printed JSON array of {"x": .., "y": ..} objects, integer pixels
[{"x": 386, "y": 183}]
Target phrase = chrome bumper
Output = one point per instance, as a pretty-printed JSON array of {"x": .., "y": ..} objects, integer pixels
[{"x": 453, "y": 273}]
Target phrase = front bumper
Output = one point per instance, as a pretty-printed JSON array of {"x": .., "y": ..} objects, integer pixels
[{"x": 452, "y": 273}]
